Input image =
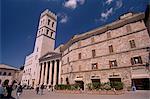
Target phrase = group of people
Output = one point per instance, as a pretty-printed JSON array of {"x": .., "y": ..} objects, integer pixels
[
  {"x": 6, "y": 90},
  {"x": 39, "y": 89}
]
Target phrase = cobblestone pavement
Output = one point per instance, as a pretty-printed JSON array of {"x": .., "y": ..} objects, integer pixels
[{"x": 30, "y": 94}]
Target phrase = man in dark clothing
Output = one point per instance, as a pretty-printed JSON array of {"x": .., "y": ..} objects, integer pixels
[
  {"x": 9, "y": 91},
  {"x": 42, "y": 87},
  {"x": 37, "y": 89}
]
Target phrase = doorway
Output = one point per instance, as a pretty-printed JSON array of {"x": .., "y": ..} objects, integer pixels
[
  {"x": 81, "y": 84},
  {"x": 141, "y": 84}
]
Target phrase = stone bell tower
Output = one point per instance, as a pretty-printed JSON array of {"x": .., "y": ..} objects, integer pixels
[{"x": 45, "y": 39}]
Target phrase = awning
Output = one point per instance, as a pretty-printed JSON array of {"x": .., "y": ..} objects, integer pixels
[
  {"x": 95, "y": 77},
  {"x": 78, "y": 79},
  {"x": 140, "y": 76}
]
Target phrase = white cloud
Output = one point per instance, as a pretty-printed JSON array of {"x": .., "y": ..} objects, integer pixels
[
  {"x": 63, "y": 17},
  {"x": 105, "y": 15},
  {"x": 108, "y": 1},
  {"x": 119, "y": 4},
  {"x": 72, "y": 4}
]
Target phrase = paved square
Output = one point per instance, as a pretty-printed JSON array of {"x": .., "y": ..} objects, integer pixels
[{"x": 30, "y": 94}]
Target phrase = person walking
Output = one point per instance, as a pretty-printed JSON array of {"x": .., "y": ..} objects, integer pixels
[
  {"x": 42, "y": 87},
  {"x": 37, "y": 89},
  {"x": 1, "y": 90},
  {"x": 49, "y": 88},
  {"x": 9, "y": 91},
  {"x": 19, "y": 91}
]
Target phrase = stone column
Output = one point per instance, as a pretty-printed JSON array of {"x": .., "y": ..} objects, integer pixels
[
  {"x": 55, "y": 73},
  {"x": 59, "y": 79},
  {"x": 44, "y": 72},
  {"x": 40, "y": 71},
  {"x": 46, "y": 69},
  {"x": 41, "y": 80},
  {"x": 50, "y": 74}
]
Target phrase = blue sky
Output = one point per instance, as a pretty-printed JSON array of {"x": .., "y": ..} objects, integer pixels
[{"x": 19, "y": 21}]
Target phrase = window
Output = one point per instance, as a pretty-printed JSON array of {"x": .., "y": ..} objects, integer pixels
[
  {"x": 52, "y": 24},
  {"x": 108, "y": 35},
  {"x": 111, "y": 49},
  {"x": 113, "y": 63},
  {"x": 9, "y": 74},
  {"x": 94, "y": 66},
  {"x": 67, "y": 80},
  {"x": 132, "y": 44},
  {"x": 47, "y": 31},
  {"x": 136, "y": 60},
  {"x": 128, "y": 28},
  {"x": 68, "y": 59},
  {"x": 92, "y": 39},
  {"x": 51, "y": 34},
  {"x": 79, "y": 56},
  {"x": 4, "y": 73},
  {"x": 48, "y": 21},
  {"x": 93, "y": 53}
]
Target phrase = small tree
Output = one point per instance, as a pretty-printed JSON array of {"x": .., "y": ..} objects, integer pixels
[{"x": 117, "y": 85}]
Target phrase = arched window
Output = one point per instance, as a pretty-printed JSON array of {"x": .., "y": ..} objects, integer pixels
[
  {"x": 9, "y": 74},
  {"x": 4, "y": 73}
]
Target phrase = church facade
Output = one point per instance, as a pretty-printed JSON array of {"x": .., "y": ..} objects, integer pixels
[
  {"x": 119, "y": 51},
  {"x": 45, "y": 42}
]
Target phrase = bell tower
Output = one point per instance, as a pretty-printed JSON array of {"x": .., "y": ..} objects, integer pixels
[{"x": 45, "y": 39}]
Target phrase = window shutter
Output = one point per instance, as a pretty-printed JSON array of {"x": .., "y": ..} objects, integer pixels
[
  {"x": 115, "y": 63},
  {"x": 140, "y": 59},
  {"x": 110, "y": 64},
  {"x": 132, "y": 61}
]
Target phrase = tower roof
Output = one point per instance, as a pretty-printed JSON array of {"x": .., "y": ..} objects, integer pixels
[{"x": 49, "y": 13}]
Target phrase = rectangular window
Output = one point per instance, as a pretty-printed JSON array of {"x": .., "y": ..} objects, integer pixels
[
  {"x": 93, "y": 53},
  {"x": 48, "y": 23},
  {"x": 128, "y": 28},
  {"x": 95, "y": 66},
  {"x": 136, "y": 60},
  {"x": 113, "y": 63},
  {"x": 68, "y": 59},
  {"x": 47, "y": 31},
  {"x": 132, "y": 44},
  {"x": 79, "y": 56},
  {"x": 108, "y": 35},
  {"x": 111, "y": 49}
]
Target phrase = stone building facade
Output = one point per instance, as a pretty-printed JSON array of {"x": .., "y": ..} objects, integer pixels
[
  {"x": 115, "y": 52},
  {"x": 9, "y": 73},
  {"x": 119, "y": 51}
]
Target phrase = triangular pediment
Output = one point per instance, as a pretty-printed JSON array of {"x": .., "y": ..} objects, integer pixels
[{"x": 49, "y": 54}]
